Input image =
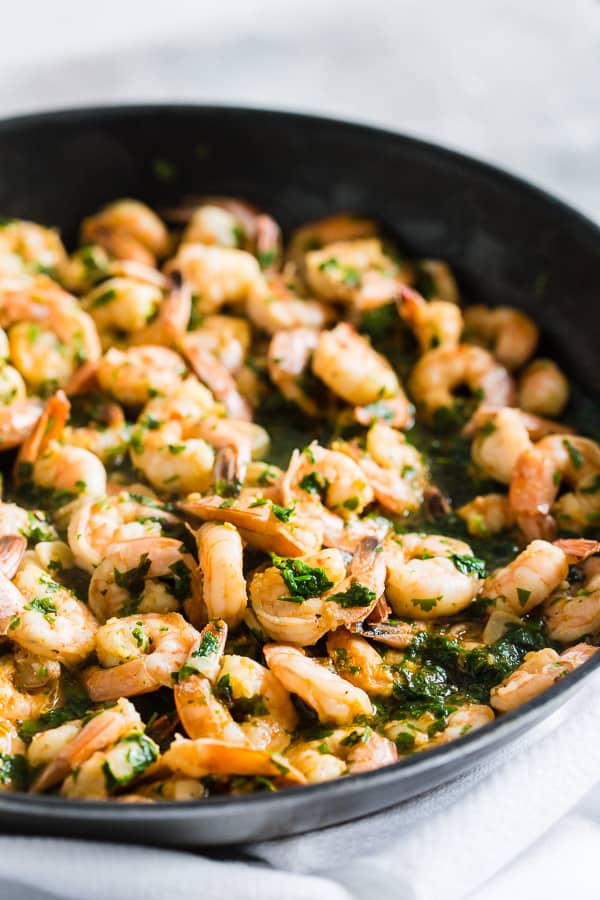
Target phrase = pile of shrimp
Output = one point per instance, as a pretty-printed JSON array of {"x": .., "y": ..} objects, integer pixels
[{"x": 182, "y": 617}]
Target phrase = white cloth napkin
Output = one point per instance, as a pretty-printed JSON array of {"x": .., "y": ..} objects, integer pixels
[{"x": 424, "y": 849}]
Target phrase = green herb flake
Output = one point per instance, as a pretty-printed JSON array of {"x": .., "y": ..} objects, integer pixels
[
  {"x": 356, "y": 595},
  {"x": 302, "y": 581}
]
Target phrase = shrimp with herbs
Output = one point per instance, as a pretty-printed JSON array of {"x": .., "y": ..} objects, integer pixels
[{"x": 508, "y": 333}]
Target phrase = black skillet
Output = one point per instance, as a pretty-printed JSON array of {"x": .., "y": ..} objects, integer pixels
[{"x": 509, "y": 243}]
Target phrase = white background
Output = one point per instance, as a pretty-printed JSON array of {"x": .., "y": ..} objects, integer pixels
[{"x": 514, "y": 81}]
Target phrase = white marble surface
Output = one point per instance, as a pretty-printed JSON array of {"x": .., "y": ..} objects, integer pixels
[{"x": 516, "y": 82}]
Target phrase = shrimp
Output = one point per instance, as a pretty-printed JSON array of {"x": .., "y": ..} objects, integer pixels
[
  {"x": 128, "y": 230},
  {"x": 45, "y": 618},
  {"x": 138, "y": 654},
  {"x": 317, "y": 234},
  {"x": 543, "y": 389},
  {"x": 359, "y": 663},
  {"x": 135, "y": 375},
  {"x": 12, "y": 753},
  {"x": 394, "y": 469},
  {"x": 356, "y": 272},
  {"x": 334, "y": 699},
  {"x": 110, "y": 770},
  {"x": 187, "y": 401},
  {"x": 468, "y": 718},
  {"x": 498, "y": 443},
  {"x": 529, "y": 579},
  {"x": 17, "y": 704},
  {"x": 333, "y": 476},
  {"x": 345, "y": 751},
  {"x": 437, "y": 323},
  {"x": 97, "y": 523},
  {"x": 228, "y": 338},
  {"x": 349, "y": 366},
  {"x": 55, "y": 466},
  {"x": 511, "y": 336},
  {"x": 289, "y": 357},
  {"x": 205, "y": 756},
  {"x": 170, "y": 460},
  {"x": 214, "y": 374},
  {"x": 429, "y": 576},
  {"x": 290, "y": 531},
  {"x": 273, "y": 306},
  {"x": 49, "y": 334},
  {"x": 298, "y": 623},
  {"x": 217, "y": 275},
  {"x": 536, "y": 479},
  {"x": 27, "y": 246},
  {"x": 440, "y": 372},
  {"x": 572, "y": 615},
  {"x": 538, "y": 671},
  {"x": 220, "y": 556},
  {"x": 486, "y": 515},
  {"x": 102, "y": 730},
  {"x": 441, "y": 282},
  {"x": 122, "y": 306},
  {"x": 147, "y": 575},
  {"x": 17, "y": 421}
]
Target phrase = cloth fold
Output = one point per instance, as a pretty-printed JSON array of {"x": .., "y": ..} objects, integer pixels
[{"x": 444, "y": 843}]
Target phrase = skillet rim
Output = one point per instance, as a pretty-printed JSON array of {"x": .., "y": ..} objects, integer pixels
[{"x": 468, "y": 745}]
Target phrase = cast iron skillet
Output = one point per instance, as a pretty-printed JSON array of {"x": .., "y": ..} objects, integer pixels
[{"x": 509, "y": 243}]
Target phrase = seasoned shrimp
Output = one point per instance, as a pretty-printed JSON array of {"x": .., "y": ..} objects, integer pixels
[
  {"x": 187, "y": 401},
  {"x": 498, "y": 443},
  {"x": 12, "y": 753},
  {"x": 508, "y": 333},
  {"x": 290, "y": 353},
  {"x": 214, "y": 374},
  {"x": 284, "y": 619},
  {"x": 529, "y": 579},
  {"x": 334, "y": 699},
  {"x": 437, "y": 323},
  {"x": 217, "y": 275},
  {"x": 333, "y": 476},
  {"x": 17, "y": 421},
  {"x": 99, "y": 732},
  {"x": 147, "y": 575},
  {"x": 394, "y": 469},
  {"x": 49, "y": 334},
  {"x": 543, "y": 389},
  {"x": 357, "y": 272},
  {"x": 349, "y": 366},
  {"x": 135, "y": 375},
  {"x": 468, "y": 718},
  {"x": 539, "y": 671},
  {"x": 536, "y": 479},
  {"x": 486, "y": 514},
  {"x": 220, "y": 557},
  {"x": 342, "y": 752},
  {"x": 429, "y": 576},
  {"x": 97, "y": 523},
  {"x": 228, "y": 338},
  {"x": 571, "y": 615},
  {"x": 441, "y": 283},
  {"x": 138, "y": 654},
  {"x": 170, "y": 460},
  {"x": 205, "y": 756},
  {"x": 28, "y": 246},
  {"x": 273, "y": 306},
  {"x": 55, "y": 466},
  {"x": 122, "y": 306},
  {"x": 340, "y": 227},
  {"x": 359, "y": 663},
  {"x": 129, "y": 230},
  {"x": 440, "y": 372},
  {"x": 110, "y": 770},
  {"x": 18, "y": 704},
  {"x": 45, "y": 618}
]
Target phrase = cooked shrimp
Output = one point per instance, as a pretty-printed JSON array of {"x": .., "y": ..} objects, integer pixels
[
  {"x": 99, "y": 732},
  {"x": 498, "y": 443},
  {"x": 204, "y": 756},
  {"x": 331, "y": 475},
  {"x": 543, "y": 389},
  {"x": 289, "y": 357},
  {"x": 187, "y": 401},
  {"x": 135, "y": 375},
  {"x": 529, "y": 579},
  {"x": 214, "y": 374},
  {"x": 334, "y": 699},
  {"x": 508, "y": 333},
  {"x": 56, "y": 466},
  {"x": 122, "y": 306},
  {"x": 440, "y": 372},
  {"x": 539, "y": 671},
  {"x": 128, "y": 230},
  {"x": 17, "y": 421},
  {"x": 220, "y": 557},
  {"x": 464, "y": 720},
  {"x": 357, "y": 272},
  {"x": 146, "y": 575},
  {"x": 429, "y": 576},
  {"x": 359, "y": 663},
  {"x": 486, "y": 514},
  {"x": 349, "y": 366},
  {"x": 28, "y": 246},
  {"x": 571, "y": 615},
  {"x": 273, "y": 306},
  {"x": 394, "y": 469},
  {"x": 442, "y": 283},
  {"x": 17, "y": 704},
  {"x": 34, "y": 672},
  {"x": 217, "y": 275},
  {"x": 536, "y": 479},
  {"x": 287, "y": 619},
  {"x": 339, "y": 227},
  {"x": 437, "y": 323},
  {"x": 110, "y": 770},
  {"x": 12, "y": 749},
  {"x": 138, "y": 654},
  {"x": 228, "y": 338},
  {"x": 97, "y": 523},
  {"x": 45, "y": 618},
  {"x": 49, "y": 334},
  {"x": 170, "y": 460}
]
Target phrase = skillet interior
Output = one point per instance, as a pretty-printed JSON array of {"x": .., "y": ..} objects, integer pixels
[{"x": 508, "y": 243}]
